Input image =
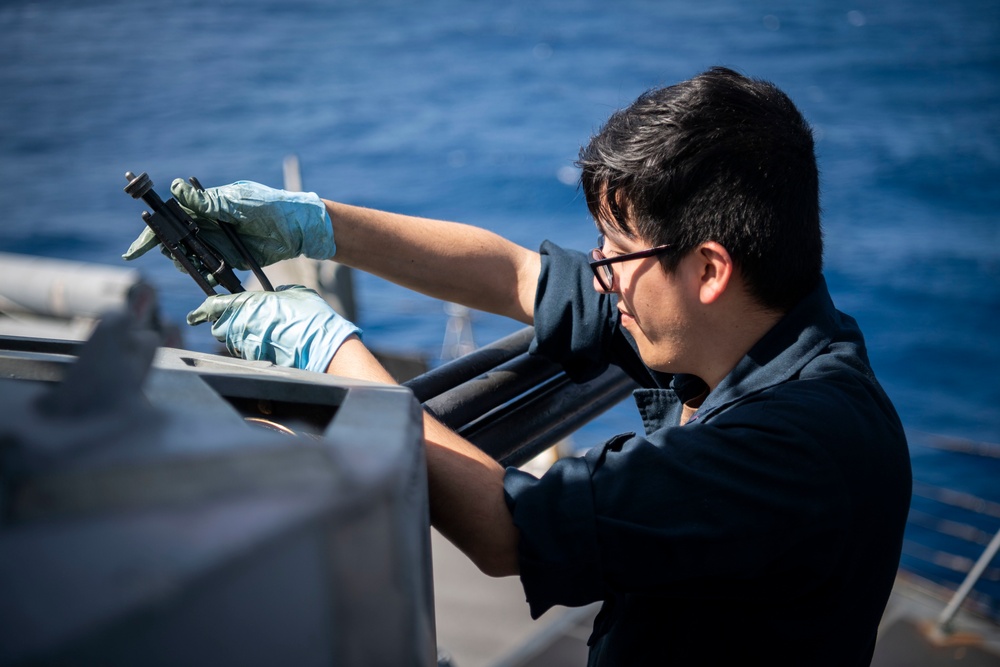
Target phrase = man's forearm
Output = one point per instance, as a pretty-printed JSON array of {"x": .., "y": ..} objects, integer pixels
[
  {"x": 465, "y": 485},
  {"x": 446, "y": 260}
]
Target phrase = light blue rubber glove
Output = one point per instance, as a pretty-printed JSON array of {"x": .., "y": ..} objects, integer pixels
[
  {"x": 292, "y": 326},
  {"x": 273, "y": 224}
]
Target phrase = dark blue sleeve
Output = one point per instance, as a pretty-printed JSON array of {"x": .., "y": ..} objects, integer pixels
[
  {"x": 733, "y": 508},
  {"x": 576, "y": 326},
  {"x": 562, "y": 566}
]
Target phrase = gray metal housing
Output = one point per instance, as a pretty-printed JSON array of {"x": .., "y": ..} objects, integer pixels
[{"x": 145, "y": 520}]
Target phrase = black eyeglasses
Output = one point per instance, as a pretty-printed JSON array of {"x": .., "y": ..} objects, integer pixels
[{"x": 601, "y": 265}]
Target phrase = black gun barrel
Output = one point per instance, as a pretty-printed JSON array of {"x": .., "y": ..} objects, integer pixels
[{"x": 513, "y": 404}]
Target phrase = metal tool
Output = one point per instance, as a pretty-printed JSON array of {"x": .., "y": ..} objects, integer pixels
[{"x": 178, "y": 233}]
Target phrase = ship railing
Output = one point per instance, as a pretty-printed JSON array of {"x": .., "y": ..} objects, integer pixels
[{"x": 952, "y": 539}]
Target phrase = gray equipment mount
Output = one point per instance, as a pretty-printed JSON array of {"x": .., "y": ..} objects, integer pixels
[{"x": 159, "y": 506}]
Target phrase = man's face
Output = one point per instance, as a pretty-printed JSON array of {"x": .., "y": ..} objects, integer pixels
[{"x": 656, "y": 307}]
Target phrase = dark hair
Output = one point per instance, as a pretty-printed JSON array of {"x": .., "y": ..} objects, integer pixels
[{"x": 718, "y": 158}]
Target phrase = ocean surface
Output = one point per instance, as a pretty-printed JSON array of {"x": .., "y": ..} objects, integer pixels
[{"x": 476, "y": 111}]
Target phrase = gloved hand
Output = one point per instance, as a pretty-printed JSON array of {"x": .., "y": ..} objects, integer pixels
[
  {"x": 273, "y": 224},
  {"x": 291, "y": 327}
]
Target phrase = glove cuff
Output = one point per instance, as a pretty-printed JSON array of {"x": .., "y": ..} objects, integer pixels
[
  {"x": 317, "y": 229},
  {"x": 325, "y": 342}
]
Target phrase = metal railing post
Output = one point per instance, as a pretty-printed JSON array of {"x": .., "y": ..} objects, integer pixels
[{"x": 948, "y": 615}]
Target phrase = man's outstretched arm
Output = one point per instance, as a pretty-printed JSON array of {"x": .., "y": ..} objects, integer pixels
[{"x": 445, "y": 260}]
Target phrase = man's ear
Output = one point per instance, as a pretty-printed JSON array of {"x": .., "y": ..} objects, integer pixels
[{"x": 715, "y": 271}]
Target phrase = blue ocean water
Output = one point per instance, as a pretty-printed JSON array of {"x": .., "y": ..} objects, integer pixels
[{"x": 476, "y": 112}]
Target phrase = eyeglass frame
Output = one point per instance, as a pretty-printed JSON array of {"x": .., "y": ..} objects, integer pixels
[{"x": 601, "y": 265}]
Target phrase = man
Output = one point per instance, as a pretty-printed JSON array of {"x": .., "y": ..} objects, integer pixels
[{"x": 760, "y": 516}]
